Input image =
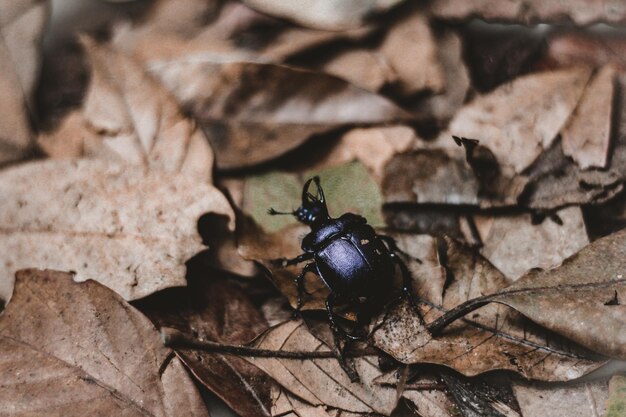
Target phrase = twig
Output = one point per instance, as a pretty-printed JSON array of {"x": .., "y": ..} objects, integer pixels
[{"x": 176, "y": 339}]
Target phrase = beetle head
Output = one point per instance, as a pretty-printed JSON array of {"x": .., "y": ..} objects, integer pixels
[{"x": 313, "y": 208}]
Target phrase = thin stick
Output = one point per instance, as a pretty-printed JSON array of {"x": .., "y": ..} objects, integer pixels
[{"x": 177, "y": 339}]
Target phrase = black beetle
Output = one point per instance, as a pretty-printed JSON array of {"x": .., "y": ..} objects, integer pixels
[{"x": 355, "y": 262}]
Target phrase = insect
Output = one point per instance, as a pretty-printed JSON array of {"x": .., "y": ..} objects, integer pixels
[{"x": 354, "y": 262}]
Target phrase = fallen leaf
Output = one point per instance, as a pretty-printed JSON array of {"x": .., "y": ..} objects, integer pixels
[
  {"x": 286, "y": 404},
  {"x": 616, "y": 402},
  {"x": 435, "y": 176},
  {"x": 80, "y": 349},
  {"x": 575, "y": 48},
  {"x": 493, "y": 337},
  {"x": 517, "y": 121},
  {"x": 327, "y": 14},
  {"x": 373, "y": 147},
  {"x": 262, "y": 247},
  {"x": 366, "y": 69},
  {"x": 129, "y": 118},
  {"x": 21, "y": 30},
  {"x": 129, "y": 229},
  {"x": 410, "y": 50},
  {"x": 444, "y": 105},
  {"x": 216, "y": 310},
  {"x": 579, "y": 12},
  {"x": 514, "y": 245},
  {"x": 253, "y": 112},
  {"x": 574, "y": 299},
  {"x": 586, "y": 399},
  {"x": 587, "y": 135},
  {"x": 322, "y": 381},
  {"x": 555, "y": 181}
]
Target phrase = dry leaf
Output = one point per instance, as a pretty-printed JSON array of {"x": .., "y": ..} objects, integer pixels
[
  {"x": 430, "y": 176},
  {"x": 129, "y": 118},
  {"x": 288, "y": 405},
  {"x": 21, "y": 29},
  {"x": 582, "y": 299},
  {"x": 586, "y": 399},
  {"x": 556, "y": 181},
  {"x": 411, "y": 51},
  {"x": 79, "y": 349},
  {"x": 326, "y": 14},
  {"x": 373, "y": 147},
  {"x": 514, "y": 245},
  {"x": 364, "y": 68},
  {"x": 586, "y": 137},
  {"x": 581, "y": 12},
  {"x": 322, "y": 381},
  {"x": 129, "y": 229},
  {"x": 517, "y": 121},
  {"x": 493, "y": 337},
  {"x": 216, "y": 310},
  {"x": 444, "y": 105},
  {"x": 253, "y": 112},
  {"x": 575, "y": 48}
]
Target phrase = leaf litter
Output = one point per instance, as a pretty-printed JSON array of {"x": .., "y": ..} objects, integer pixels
[{"x": 412, "y": 117}]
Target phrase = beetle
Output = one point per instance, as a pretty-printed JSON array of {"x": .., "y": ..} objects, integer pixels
[{"x": 355, "y": 263}]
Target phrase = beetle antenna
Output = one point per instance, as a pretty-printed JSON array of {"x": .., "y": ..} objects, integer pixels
[{"x": 273, "y": 212}]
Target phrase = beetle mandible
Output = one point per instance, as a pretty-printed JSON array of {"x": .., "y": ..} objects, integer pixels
[{"x": 354, "y": 262}]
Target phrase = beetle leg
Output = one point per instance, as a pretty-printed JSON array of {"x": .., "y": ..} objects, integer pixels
[
  {"x": 393, "y": 247},
  {"x": 284, "y": 262},
  {"x": 338, "y": 332},
  {"x": 310, "y": 267},
  {"x": 407, "y": 284}
]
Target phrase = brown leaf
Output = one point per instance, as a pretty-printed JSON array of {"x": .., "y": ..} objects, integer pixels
[
  {"x": 21, "y": 29},
  {"x": 581, "y": 12},
  {"x": 79, "y": 349},
  {"x": 327, "y": 14},
  {"x": 129, "y": 229},
  {"x": 556, "y": 181},
  {"x": 587, "y": 399},
  {"x": 493, "y": 337},
  {"x": 411, "y": 51},
  {"x": 586, "y": 136},
  {"x": 574, "y": 299},
  {"x": 255, "y": 112},
  {"x": 517, "y": 121},
  {"x": 256, "y": 244},
  {"x": 514, "y": 245},
  {"x": 286, "y": 404},
  {"x": 129, "y": 118},
  {"x": 373, "y": 147},
  {"x": 322, "y": 381},
  {"x": 430, "y": 176},
  {"x": 216, "y": 310},
  {"x": 456, "y": 77},
  {"x": 362, "y": 67}
]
